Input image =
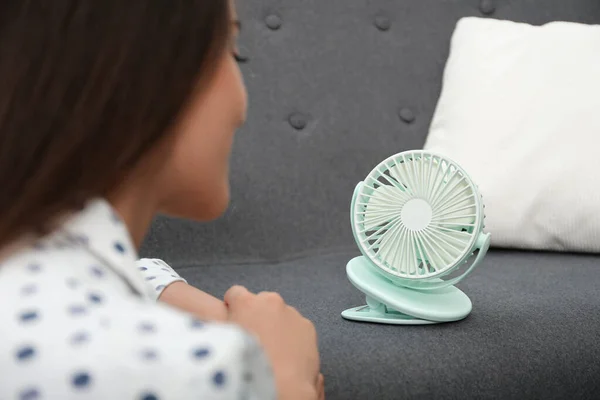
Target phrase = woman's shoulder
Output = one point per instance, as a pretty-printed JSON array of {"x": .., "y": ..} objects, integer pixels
[{"x": 56, "y": 269}]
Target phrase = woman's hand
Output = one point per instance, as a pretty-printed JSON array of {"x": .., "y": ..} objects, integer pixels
[
  {"x": 289, "y": 339},
  {"x": 188, "y": 298}
]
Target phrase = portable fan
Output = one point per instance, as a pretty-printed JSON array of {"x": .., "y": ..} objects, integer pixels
[{"x": 418, "y": 221}]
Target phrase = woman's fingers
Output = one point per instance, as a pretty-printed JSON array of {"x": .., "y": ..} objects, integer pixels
[{"x": 234, "y": 295}]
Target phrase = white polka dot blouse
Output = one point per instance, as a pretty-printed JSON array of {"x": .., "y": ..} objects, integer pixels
[{"x": 79, "y": 320}]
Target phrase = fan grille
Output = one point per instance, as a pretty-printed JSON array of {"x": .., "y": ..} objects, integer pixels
[{"x": 416, "y": 215}]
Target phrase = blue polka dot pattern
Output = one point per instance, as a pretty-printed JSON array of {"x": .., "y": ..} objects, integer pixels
[
  {"x": 28, "y": 290},
  {"x": 150, "y": 278},
  {"x": 97, "y": 271},
  {"x": 149, "y": 355},
  {"x": 115, "y": 217},
  {"x": 196, "y": 323},
  {"x": 143, "y": 268},
  {"x": 119, "y": 247},
  {"x": 95, "y": 298},
  {"x": 219, "y": 379},
  {"x": 77, "y": 310},
  {"x": 29, "y": 394},
  {"x": 29, "y": 316},
  {"x": 201, "y": 353},
  {"x": 81, "y": 380},
  {"x": 146, "y": 327},
  {"x": 160, "y": 287},
  {"x": 81, "y": 239},
  {"x": 34, "y": 267},
  {"x": 79, "y": 337},
  {"x": 25, "y": 353}
]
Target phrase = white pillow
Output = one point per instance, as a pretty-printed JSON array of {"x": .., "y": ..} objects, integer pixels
[{"x": 520, "y": 112}]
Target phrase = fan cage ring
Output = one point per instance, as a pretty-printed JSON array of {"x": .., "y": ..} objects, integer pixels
[{"x": 446, "y": 170}]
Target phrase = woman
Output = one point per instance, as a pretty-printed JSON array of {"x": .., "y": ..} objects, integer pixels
[{"x": 110, "y": 112}]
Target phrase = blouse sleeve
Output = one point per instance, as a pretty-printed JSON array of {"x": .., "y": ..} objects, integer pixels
[{"x": 157, "y": 275}]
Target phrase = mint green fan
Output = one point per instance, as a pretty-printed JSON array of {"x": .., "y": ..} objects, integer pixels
[{"x": 418, "y": 221}]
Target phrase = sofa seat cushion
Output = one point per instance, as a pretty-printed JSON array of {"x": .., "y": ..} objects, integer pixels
[{"x": 533, "y": 332}]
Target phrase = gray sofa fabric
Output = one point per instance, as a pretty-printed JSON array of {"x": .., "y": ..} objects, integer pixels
[
  {"x": 335, "y": 87},
  {"x": 533, "y": 332}
]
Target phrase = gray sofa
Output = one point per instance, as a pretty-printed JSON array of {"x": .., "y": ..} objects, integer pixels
[{"x": 335, "y": 87}]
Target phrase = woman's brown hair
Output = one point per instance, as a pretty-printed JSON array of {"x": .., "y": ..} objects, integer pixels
[{"x": 86, "y": 88}]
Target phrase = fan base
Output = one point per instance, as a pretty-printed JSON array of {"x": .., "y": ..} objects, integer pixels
[
  {"x": 368, "y": 314},
  {"x": 388, "y": 303}
]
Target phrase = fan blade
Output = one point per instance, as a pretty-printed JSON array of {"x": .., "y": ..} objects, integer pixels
[{"x": 384, "y": 204}]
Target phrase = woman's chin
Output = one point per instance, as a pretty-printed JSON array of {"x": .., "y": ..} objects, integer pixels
[
  {"x": 215, "y": 207},
  {"x": 214, "y": 212},
  {"x": 205, "y": 209}
]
